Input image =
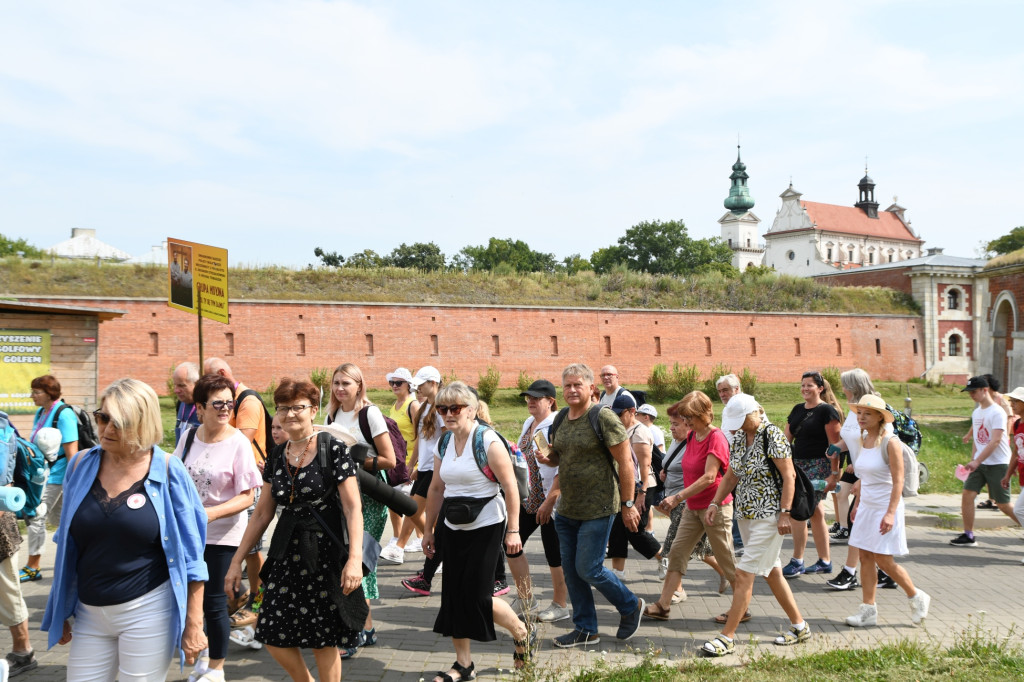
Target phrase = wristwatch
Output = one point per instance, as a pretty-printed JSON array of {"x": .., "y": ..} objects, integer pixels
[
  {"x": 628, "y": 504},
  {"x": 783, "y": 511}
]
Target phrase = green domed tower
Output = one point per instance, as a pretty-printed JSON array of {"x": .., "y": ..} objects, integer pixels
[
  {"x": 740, "y": 225},
  {"x": 739, "y": 200}
]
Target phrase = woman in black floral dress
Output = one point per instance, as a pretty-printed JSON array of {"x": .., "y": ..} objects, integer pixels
[{"x": 310, "y": 597}]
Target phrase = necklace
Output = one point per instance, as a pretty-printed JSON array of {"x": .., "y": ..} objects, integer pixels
[{"x": 294, "y": 474}]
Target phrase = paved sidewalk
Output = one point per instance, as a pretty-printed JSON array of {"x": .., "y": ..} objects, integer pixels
[{"x": 967, "y": 586}]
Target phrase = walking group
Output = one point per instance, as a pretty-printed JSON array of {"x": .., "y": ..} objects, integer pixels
[{"x": 153, "y": 550}]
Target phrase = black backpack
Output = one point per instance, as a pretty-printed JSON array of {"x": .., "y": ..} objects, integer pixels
[
  {"x": 267, "y": 420},
  {"x": 804, "y": 496},
  {"x": 86, "y": 433}
]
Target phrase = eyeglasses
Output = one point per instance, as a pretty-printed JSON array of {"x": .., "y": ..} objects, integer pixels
[
  {"x": 453, "y": 409},
  {"x": 102, "y": 418},
  {"x": 395, "y": 384},
  {"x": 223, "y": 404},
  {"x": 603, "y": 376},
  {"x": 294, "y": 409}
]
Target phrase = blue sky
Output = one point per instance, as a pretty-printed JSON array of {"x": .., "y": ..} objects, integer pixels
[{"x": 269, "y": 128}]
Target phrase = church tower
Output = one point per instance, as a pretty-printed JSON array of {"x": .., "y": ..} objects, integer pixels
[{"x": 739, "y": 225}]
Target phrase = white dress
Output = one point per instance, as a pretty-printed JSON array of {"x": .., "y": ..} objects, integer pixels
[{"x": 875, "y": 492}]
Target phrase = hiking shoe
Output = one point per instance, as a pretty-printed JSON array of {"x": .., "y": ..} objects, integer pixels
[
  {"x": 631, "y": 623},
  {"x": 793, "y": 636},
  {"x": 500, "y": 587},
  {"x": 576, "y": 638},
  {"x": 963, "y": 540},
  {"x": 392, "y": 554},
  {"x": 793, "y": 569},
  {"x": 30, "y": 574},
  {"x": 885, "y": 582},
  {"x": 844, "y": 581},
  {"x": 841, "y": 535},
  {"x": 819, "y": 566},
  {"x": 21, "y": 663},
  {"x": 417, "y": 584},
  {"x": 554, "y": 613},
  {"x": 866, "y": 615},
  {"x": 919, "y": 606},
  {"x": 834, "y": 528}
]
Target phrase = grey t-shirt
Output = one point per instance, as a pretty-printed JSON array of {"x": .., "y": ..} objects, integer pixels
[{"x": 674, "y": 468}]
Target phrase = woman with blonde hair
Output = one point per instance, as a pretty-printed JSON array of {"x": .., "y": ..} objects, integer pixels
[
  {"x": 350, "y": 409},
  {"x": 402, "y": 413}
]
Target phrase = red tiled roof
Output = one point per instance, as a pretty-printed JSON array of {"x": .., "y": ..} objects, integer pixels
[{"x": 853, "y": 220}]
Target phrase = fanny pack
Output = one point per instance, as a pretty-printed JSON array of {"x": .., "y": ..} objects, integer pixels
[{"x": 461, "y": 510}]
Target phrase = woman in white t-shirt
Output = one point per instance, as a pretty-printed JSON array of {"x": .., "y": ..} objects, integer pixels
[
  {"x": 219, "y": 460},
  {"x": 475, "y": 515},
  {"x": 348, "y": 401}
]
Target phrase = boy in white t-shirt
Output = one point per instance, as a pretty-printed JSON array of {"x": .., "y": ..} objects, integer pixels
[{"x": 990, "y": 456}]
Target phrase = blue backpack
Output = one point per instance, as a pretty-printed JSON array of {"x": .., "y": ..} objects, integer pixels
[
  {"x": 480, "y": 455},
  {"x": 8, "y": 449},
  {"x": 30, "y": 474}
]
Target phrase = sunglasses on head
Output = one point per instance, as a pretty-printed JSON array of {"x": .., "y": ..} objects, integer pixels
[{"x": 453, "y": 409}]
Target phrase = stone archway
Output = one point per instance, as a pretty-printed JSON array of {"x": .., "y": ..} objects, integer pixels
[{"x": 1004, "y": 323}]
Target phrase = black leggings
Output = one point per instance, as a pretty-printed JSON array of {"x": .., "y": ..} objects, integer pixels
[{"x": 215, "y": 600}]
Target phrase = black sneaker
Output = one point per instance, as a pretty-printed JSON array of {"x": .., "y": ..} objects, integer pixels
[
  {"x": 417, "y": 584},
  {"x": 631, "y": 623},
  {"x": 834, "y": 528},
  {"x": 844, "y": 581},
  {"x": 21, "y": 663},
  {"x": 576, "y": 638},
  {"x": 841, "y": 535},
  {"x": 500, "y": 588},
  {"x": 885, "y": 582},
  {"x": 963, "y": 540}
]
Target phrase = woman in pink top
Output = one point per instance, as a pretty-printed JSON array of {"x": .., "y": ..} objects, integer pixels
[
  {"x": 219, "y": 460},
  {"x": 704, "y": 462}
]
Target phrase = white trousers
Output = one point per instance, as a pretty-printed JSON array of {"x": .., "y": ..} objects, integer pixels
[
  {"x": 130, "y": 641},
  {"x": 48, "y": 512}
]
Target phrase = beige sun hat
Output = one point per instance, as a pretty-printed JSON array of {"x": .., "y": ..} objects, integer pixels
[
  {"x": 1016, "y": 394},
  {"x": 873, "y": 402},
  {"x": 339, "y": 432}
]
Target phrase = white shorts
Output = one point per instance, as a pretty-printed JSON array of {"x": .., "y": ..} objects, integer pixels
[
  {"x": 12, "y": 606},
  {"x": 761, "y": 545}
]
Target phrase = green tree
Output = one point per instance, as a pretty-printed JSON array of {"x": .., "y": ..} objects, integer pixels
[
  {"x": 366, "y": 259},
  {"x": 603, "y": 260},
  {"x": 575, "y": 263},
  {"x": 418, "y": 255},
  {"x": 664, "y": 248},
  {"x": 1008, "y": 242},
  {"x": 517, "y": 254},
  {"x": 330, "y": 259},
  {"x": 12, "y": 247}
]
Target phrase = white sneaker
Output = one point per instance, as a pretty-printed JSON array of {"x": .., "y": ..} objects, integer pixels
[
  {"x": 392, "y": 554},
  {"x": 919, "y": 606},
  {"x": 663, "y": 568},
  {"x": 554, "y": 613},
  {"x": 245, "y": 637},
  {"x": 201, "y": 666},
  {"x": 867, "y": 615},
  {"x": 392, "y": 541},
  {"x": 414, "y": 545},
  {"x": 523, "y": 607},
  {"x": 5, "y": 670},
  {"x": 440, "y": 569},
  {"x": 212, "y": 676},
  {"x": 621, "y": 574}
]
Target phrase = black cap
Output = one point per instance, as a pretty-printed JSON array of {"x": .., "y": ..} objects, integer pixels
[
  {"x": 975, "y": 383},
  {"x": 542, "y": 388},
  {"x": 624, "y": 401}
]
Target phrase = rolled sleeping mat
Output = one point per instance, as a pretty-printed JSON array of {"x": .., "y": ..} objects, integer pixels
[
  {"x": 394, "y": 499},
  {"x": 13, "y": 499}
]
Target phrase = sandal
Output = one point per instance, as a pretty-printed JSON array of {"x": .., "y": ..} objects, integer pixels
[
  {"x": 464, "y": 673},
  {"x": 717, "y": 647},
  {"x": 678, "y": 596},
  {"x": 239, "y": 601},
  {"x": 655, "y": 611},
  {"x": 243, "y": 617},
  {"x": 793, "y": 636},
  {"x": 522, "y": 658},
  {"x": 723, "y": 618},
  {"x": 987, "y": 504}
]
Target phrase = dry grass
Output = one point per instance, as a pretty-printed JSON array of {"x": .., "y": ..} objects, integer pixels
[
  {"x": 1012, "y": 258},
  {"x": 618, "y": 289}
]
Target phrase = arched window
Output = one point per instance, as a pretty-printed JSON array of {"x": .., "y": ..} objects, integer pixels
[
  {"x": 953, "y": 299},
  {"x": 955, "y": 344}
]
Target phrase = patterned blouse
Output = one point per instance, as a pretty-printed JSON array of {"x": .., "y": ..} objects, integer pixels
[{"x": 757, "y": 495}]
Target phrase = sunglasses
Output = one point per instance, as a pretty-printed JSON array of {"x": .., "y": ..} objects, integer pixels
[
  {"x": 453, "y": 409},
  {"x": 293, "y": 409},
  {"x": 222, "y": 405},
  {"x": 102, "y": 418},
  {"x": 395, "y": 384}
]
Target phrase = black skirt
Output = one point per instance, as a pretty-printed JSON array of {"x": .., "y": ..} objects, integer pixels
[{"x": 467, "y": 590}]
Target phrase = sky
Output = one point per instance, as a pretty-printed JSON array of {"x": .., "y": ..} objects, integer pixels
[{"x": 272, "y": 127}]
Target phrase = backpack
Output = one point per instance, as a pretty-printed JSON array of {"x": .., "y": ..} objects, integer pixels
[
  {"x": 906, "y": 428},
  {"x": 399, "y": 475},
  {"x": 8, "y": 449},
  {"x": 593, "y": 415},
  {"x": 519, "y": 469},
  {"x": 804, "y": 496},
  {"x": 911, "y": 470},
  {"x": 267, "y": 420},
  {"x": 30, "y": 475},
  {"x": 87, "y": 437}
]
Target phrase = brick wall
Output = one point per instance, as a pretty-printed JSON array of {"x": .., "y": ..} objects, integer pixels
[
  {"x": 893, "y": 278},
  {"x": 962, "y": 327},
  {"x": 1012, "y": 282},
  {"x": 265, "y": 343}
]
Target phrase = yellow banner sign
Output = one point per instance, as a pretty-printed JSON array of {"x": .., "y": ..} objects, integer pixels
[
  {"x": 24, "y": 355},
  {"x": 198, "y": 279}
]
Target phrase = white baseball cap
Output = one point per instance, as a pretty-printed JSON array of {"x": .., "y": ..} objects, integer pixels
[
  {"x": 48, "y": 441},
  {"x": 736, "y": 411},
  {"x": 400, "y": 374},
  {"x": 428, "y": 373},
  {"x": 648, "y": 409}
]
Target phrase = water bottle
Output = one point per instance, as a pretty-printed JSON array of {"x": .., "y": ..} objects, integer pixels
[
  {"x": 818, "y": 484},
  {"x": 39, "y": 476}
]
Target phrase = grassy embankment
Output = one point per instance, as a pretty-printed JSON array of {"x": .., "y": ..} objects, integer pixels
[
  {"x": 618, "y": 289},
  {"x": 943, "y": 412}
]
